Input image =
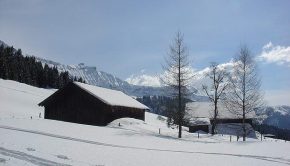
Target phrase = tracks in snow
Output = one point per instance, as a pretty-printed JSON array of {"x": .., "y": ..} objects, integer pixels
[
  {"x": 265, "y": 158},
  {"x": 29, "y": 158}
]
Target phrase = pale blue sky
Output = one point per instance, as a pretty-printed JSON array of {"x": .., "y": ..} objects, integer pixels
[{"x": 123, "y": 37}]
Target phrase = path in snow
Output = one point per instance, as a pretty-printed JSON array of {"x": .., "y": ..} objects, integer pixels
[
  {"x": 265, "y": 158},
  {"x": 29, "y": 158}
]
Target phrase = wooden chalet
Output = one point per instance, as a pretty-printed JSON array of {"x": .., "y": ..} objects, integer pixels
[
  {"x": 202, "y": 116},
  {"x": 92, "y": 105}
]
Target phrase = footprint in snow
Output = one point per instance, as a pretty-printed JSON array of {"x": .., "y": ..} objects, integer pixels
[
  {"x": 30, "y": 149},
  {"x": 62, "y": 157}
]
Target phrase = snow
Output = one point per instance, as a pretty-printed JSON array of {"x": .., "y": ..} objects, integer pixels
[
  {"x": 205, "y": 110},
  {"x": 21, "y": 99},
  {"x": 37, "y": 141},
  {"x": 111, "y": 97},
  {"x": 283, "y": 110},
  {"x": 144, "y": 80},
  {"x": 199, "y": 121}
]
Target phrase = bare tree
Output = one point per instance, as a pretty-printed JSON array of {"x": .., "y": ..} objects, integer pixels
[
  {"x": 216, "y": 90},
  {"x": 244, "y": 87},
  {"x": 176, "y": 78}
]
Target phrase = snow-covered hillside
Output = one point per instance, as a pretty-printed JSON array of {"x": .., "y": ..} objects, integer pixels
[
  {"x": 20, "y": 100},
  {"x": 126, "y": 141}
]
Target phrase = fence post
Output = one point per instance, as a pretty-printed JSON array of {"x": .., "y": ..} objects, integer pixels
[
  {"x": 230, "y": 138},
  {"x": 119, "y": 124},
  {"x": 159, "y": 131},
  {"x": 197, "y": 134}
]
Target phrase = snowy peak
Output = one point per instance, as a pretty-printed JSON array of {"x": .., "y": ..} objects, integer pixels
[
  {"x": 270, "y": 110},
  {"x": 102, "y": 79},
  {"x": 198, "y": 77},
  {"x": 89, "y": 74},
  {"x": 144, "y": 80}
]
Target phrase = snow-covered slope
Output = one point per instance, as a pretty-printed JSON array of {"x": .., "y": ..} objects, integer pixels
[
  {"x": 20, "y": 100},
  {"x": 48, "y": 142},
  {"x": 38, "y": 141}
]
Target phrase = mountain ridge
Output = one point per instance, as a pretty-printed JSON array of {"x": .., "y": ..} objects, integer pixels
[{"x": 103, "y": 79}]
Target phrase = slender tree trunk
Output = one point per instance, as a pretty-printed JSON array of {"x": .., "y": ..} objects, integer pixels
[
  {"x": 244, "y": 127},
  {"x": 179, "y": 98},
  {"x": 214, "y": 119},
  {"x": 244, "y": 97}
]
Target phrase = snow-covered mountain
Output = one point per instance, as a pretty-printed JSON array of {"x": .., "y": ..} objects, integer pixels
[
  {"x": 278, "y": 116},
  {"x": 144, "y": 80},
  {"x": 99, "y": 78},
  {"x": 198, "y": 78}
]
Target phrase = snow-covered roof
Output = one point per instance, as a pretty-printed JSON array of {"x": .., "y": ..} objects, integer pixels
[
  {"x": 205, "y": 110},
  {"x": 199, "y": 121},
  {"x": 111, "y": 97}
]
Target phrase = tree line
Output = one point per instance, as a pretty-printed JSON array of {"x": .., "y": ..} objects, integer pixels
[
  {"x": 279, "y": 133},
  {"x": 26, "y": 69}
]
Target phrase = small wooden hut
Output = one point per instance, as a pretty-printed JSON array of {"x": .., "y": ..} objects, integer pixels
[{"x": 87, "y": 104}]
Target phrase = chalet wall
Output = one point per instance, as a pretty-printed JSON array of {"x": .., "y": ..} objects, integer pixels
[
  {"x": 122, "y": 112},
  {"x": 196, "y": 128}
]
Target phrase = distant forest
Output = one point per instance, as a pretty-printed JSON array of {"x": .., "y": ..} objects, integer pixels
[
  {"x": 278, "y": 132},
  {"x": 158, "y": 104},
  {"x": 25, "y": 69}
]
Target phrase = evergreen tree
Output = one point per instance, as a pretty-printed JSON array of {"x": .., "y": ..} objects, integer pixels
[{"x": 14, "y": 66}]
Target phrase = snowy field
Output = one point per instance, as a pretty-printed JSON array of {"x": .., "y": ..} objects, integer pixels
[{"x": 36, "y": 141}]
